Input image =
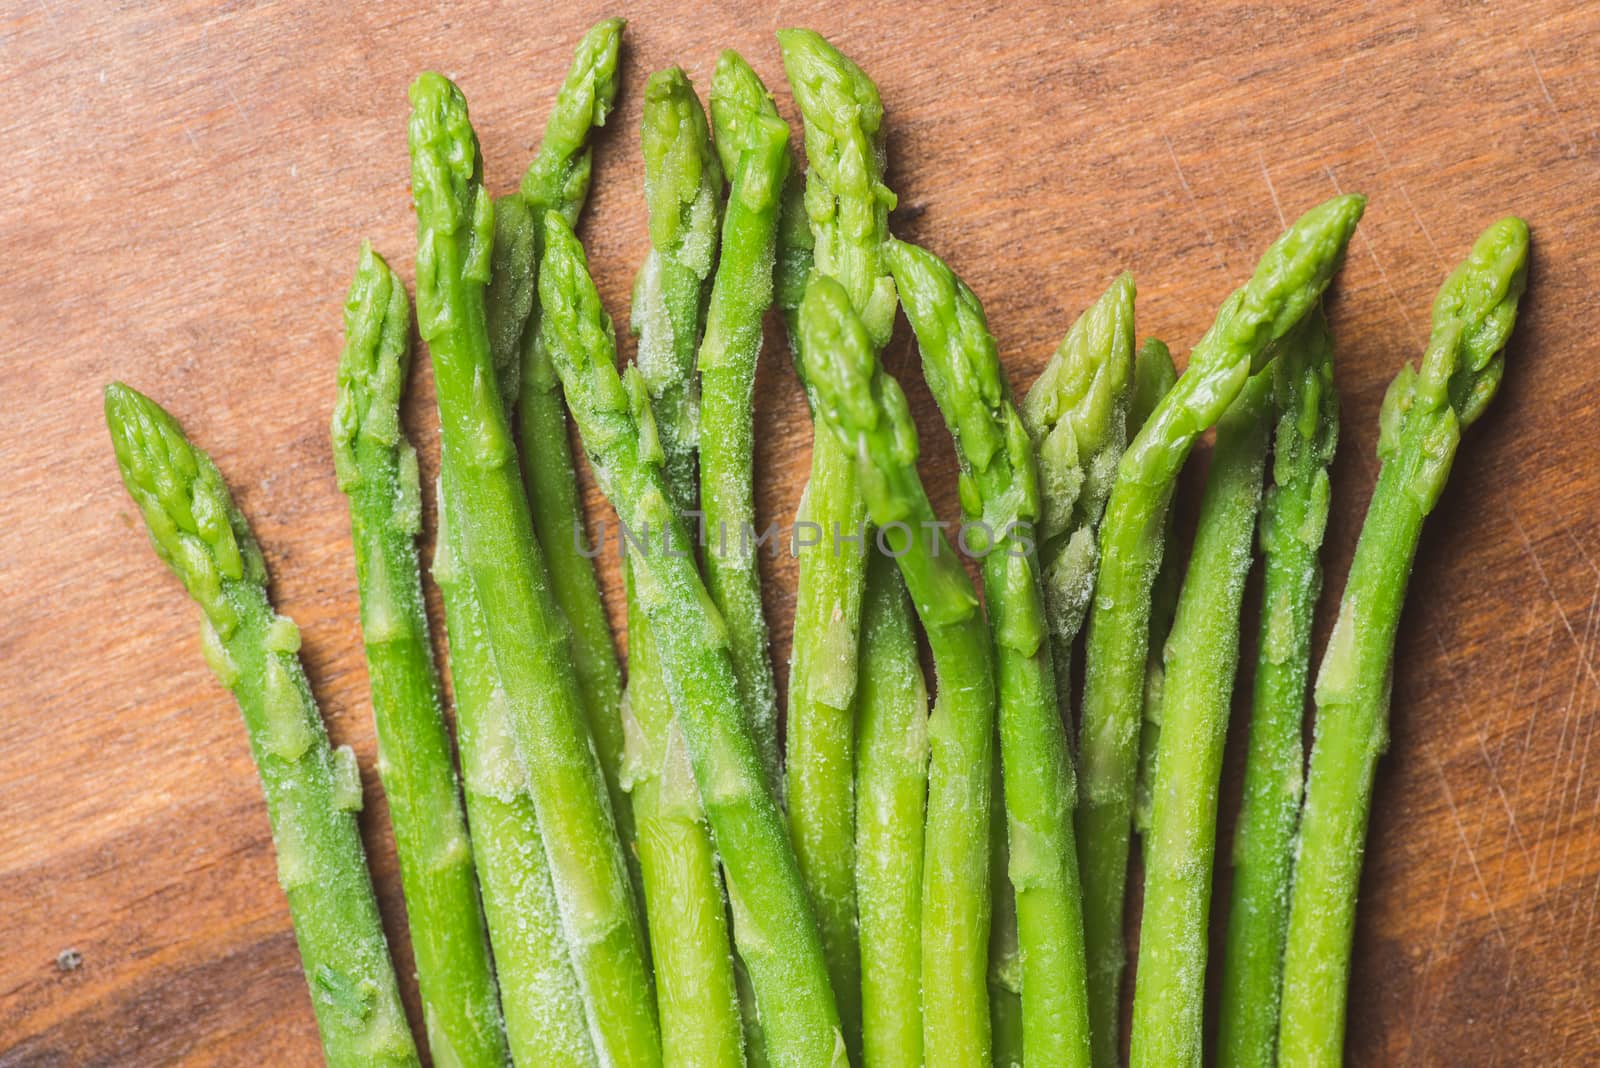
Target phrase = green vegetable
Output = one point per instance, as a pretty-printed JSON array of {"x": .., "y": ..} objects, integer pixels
[
  {"x": 754, "y": 147},
  {"x": 1000, "y": 497},
  {"x": 867, "y": 412},
  {"x": 1419, "y": 429},
  {"x": 499, "y": 555},
  {"x": 1201, "y": 657},
  {"x": 1294, "y": 514},
  {"x": 508, "y": 300},
  {"x": 377, "y": 469},
  {"x": 1289, "y": 279},
  {"x": 312, "y": 790},
  {"x": 847, "y": 206},
  {"x": 700, "y": 1019},
  {"x": 772, "y": 928},
  {"x": 539, "y": 993},
  {"x": 1076, "y": 414},
  {"x": 558, "y": 180},
  {"x": 891, "y": 794},
  {"x": 1153, "y": 375}
]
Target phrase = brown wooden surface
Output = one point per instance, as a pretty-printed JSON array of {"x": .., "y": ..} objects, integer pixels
[{"x": 185, "y": 190}]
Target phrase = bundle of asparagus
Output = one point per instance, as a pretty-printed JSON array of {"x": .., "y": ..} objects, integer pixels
[{"x": 645, "y": 875}]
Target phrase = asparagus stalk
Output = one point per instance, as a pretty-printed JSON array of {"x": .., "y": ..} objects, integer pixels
[
  {"x": 377, "y": 470},
  {"x": 1419, "y": 429},
  {"x": 1201, "y": 657},
  {"x": 500, "y": 556},
  {"x": 1076, "y": 414},
  {"x": 773, "y": 928},
  {"x": 508, "y": 299},
  {"x": 847, "y": 206},
  {"x": 558, "y": 180},
  {"x": 700, "y": 1019},
  {"x": 1289, "y": 279},
  {"x": 753, "y": 143},
  {"x": 312, "y": 790},
  {"x": 539, "y": 993},
  {"x": 1001, "y": 497},
  {"x": 891, "y": 789},
  {"x": 1153, "y": 375},
  {"x": 1294, "y": 514},
  {"x": 867, "y": 412}
]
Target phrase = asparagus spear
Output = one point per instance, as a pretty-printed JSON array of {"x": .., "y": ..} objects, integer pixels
[
  {"x": 795, "y": 258},
  {"x": 377, "y": 469},
  {"x": 867, "y": 412},
  {"x": 544, "y": 1012},
  {"x": 1153, "y": 375},
  {"x": 1294, "y": 514},
  {"x": 312, "y": 790},
  {"x": 1288, "y": 280},
  {"x": 499, "y": 555},
  {"x": 753, "y": 143},
  {"x": 1202, "y": 654},
  {"x": 891, "y": 789},
  {"x": 558, "y": 180},
  {"x": 1076, "y": 414},
  {"x": 700, "y": 1019},
  {"x": 508, "y": 299},
  {"x": 1419, "y": 429},
  {"x": 1001, "y": 496},
  {"x": 773, "y": 929},
  {"x": 847, "y": 206}
]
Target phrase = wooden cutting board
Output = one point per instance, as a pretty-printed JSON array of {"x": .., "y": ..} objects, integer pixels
[{"x": 186, "y": 189}]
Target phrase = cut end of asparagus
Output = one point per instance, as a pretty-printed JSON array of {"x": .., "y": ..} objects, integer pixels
[{"x": 373, "y": 365}]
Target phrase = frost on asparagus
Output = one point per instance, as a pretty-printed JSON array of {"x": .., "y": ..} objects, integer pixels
[
  {"x": 546, "y": 1022},
  {"x": 781, "y": 951},
  {"x": 845, "y": 204},
  {"x": 1076, "y": 415},
  {"x": 527, "y": 634},
  {"x": 197, "y": 530},
  {"x": 1294, "y": 514},
  {"x": 682, "y": 885},
  {"x": 377, "y": 469},
  {"x": 845, "y": 198},
  {"x": 1289, "y": 278},
  {"x": 1419, "y": 429},
  {"x": 753, "y": 143},
  {"x": 683, "y": 190},
  {"x": 892, "y": 784},
  {"x": 1037, "y": 945},
  {"x": 1153, "y": 375},
  {"x": 867, "y": 411},
  {"x": 1201, "y": 657}
]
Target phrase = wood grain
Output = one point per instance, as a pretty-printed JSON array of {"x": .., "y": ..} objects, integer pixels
[{"x": 186, "y": 185}]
